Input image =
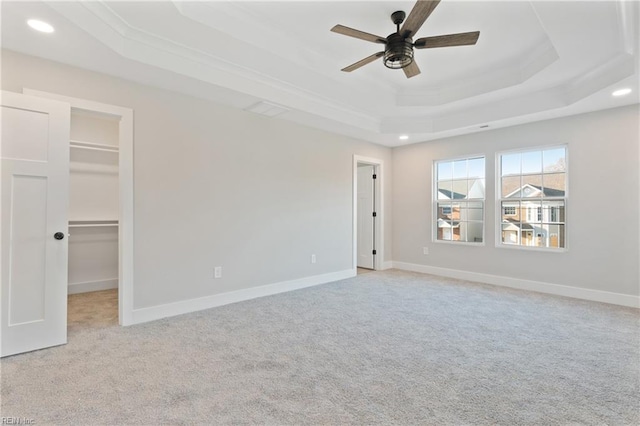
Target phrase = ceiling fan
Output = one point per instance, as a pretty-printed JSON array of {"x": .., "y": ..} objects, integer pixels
[{"x": 398, "y": 50}]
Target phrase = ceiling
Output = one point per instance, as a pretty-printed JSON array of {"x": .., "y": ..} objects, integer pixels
[{"x": 533, "y": 60}]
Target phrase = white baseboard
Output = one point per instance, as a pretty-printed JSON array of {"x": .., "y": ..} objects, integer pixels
[
  {"x": 537, "y": 286},
  {"x": 192, "y": 305},
  {"x": 387, "y": 265},
  {"x": 88, "y": 286}
]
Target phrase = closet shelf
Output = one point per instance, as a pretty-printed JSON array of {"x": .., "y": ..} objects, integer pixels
[
  {"x": 93, "y": 146},
  {"x": 92, "y": 223}
]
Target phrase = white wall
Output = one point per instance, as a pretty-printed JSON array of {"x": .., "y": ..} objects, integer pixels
[
  {"x": 602, "y": 208},
  {"x": 217, "y": 186}
]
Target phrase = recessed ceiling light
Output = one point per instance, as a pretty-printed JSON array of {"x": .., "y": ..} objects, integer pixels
[
  {"x": 40, "y": 26},
  {"x": 622, "y": 92},
  {"x": 403, "y": 137}
]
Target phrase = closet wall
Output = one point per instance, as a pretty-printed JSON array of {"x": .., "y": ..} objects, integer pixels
[{"x": 93, "y": 202}]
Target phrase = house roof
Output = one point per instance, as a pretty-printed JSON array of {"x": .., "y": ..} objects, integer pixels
[
  {"x": 446, "y": 224},
  {"x": 452, "y": 195},
  {"x": 546, "y": 192},
  {"x": 514, "y": 225}
]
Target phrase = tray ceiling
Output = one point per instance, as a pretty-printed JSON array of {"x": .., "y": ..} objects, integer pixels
[{"x": 534, "y": 60}]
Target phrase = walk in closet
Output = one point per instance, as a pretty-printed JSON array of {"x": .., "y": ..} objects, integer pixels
[{"x": 93, "y": 202}]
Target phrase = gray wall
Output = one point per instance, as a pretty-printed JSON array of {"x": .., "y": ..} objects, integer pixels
[
  {"x": 219, "y": 186},
  {"x": 602, "y": 206}
]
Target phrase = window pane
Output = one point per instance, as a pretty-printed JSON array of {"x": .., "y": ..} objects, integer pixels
[
  {"x": 474, "y": 232},
  {"x": 444, "y": 211},
  {"x": 445, "y": 170},
  {"x": 532, "y": 162},
  {"x": 510, "y": 186},
  {"x": 510, "y": 164},
  {"x": 553, "y": 211},
  {"x": 554, "y": 235},
  {"x": 471, "y": 211},
  {"x": 531, "y": 212},
  {"x": 460, "y": 189},
  {"x": 554, "y": 184},
  {"x": 554, "y": 160},
  {"x": 445, "y": 230},
  {"x": 444, "y": 190},
  {"x": 470, "y": 232},
  {"x": 460, "y": 169},
  {"x": 511, "y": 211},
  {"x": 531, "y": 186},
  {"x": 540, "y": 239},
  {"x": 476, "y": 168},
  {"x": 510, "y": 233},
  {"x": 476, "y": 188}
]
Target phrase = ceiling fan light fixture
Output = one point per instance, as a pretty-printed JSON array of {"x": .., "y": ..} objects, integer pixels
[{"x": 399, "y": 52}]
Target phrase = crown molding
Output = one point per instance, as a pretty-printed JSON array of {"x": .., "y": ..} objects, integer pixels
[
  {"x": 516, "y": 72},
  {"x": 99, "y": 20}
]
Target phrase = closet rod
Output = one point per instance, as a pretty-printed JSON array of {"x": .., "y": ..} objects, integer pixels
[
  {"x": 92, "y": 145},
  {"x": 95, "y": 149},
  {"x": 95, "y": 225}
]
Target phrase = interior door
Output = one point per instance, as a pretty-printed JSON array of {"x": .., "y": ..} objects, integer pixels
[
  {"x": 35, "y": 185},
  {"x": 366, "y": 221}
]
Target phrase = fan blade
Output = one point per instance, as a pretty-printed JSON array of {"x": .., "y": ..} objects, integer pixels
[
  {"x": 341, "y": 29},
  {"x": 411, "y": 70},
  {"x": 417, "y": 16},
  {"x": 363, "y": 62},
  {"x": 460, "y": 39}
]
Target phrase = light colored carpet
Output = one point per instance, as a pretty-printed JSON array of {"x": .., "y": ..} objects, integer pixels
[
  {"x": 91, "y": 310},
  {"x": 387, "y": 347}
]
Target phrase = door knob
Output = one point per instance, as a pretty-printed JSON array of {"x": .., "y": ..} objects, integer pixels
[{"x": 58, "y": 235}]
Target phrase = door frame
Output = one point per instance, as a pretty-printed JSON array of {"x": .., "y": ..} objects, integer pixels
[
  {"x": 126, "y": 191},
  {"x": 378, "y": 167}
]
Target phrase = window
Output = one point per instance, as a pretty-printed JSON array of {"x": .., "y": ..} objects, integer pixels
[
  {"x": 459, "y": 200},
  {"x": 533, "y": 197}
]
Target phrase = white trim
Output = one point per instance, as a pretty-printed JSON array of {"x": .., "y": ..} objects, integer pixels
[
  {"x": 387, "y": 265},
  {"x": 537, "y": 286},
  {"x": 125, "y": 233},
  {"x": 192, "y": 305},
  {"x": 88, "y": 286},
  {"x": 379, "y": 243}
]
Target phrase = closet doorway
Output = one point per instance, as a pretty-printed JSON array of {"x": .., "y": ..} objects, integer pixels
[
  {"x": 368, "y": 215},
  {"x": 100, "y": 212}
]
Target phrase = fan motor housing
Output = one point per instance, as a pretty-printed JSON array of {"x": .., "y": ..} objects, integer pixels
[{"x": 398, "y": 52}]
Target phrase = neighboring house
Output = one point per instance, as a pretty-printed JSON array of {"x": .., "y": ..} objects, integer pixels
[
  {"x": 532, "y": 221},
  {"x": 451, "y": 216}
]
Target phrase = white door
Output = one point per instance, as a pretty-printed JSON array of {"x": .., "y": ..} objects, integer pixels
[
  {"x": 35, "y": 185},
  {"x": 366, "y": 221}
]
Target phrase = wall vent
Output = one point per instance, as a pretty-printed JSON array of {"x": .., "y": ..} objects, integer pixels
[{"x": 267, "y": 108}]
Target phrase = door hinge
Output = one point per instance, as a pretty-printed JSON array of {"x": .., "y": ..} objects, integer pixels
[
  {"x": 375, "y": 214},
  {"x": 375, "y": 176},
  {"x": 374, "y": 253}
]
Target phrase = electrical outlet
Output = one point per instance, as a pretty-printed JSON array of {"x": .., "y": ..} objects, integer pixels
[
  {"x": 313, "y": 258},
  {"x": 217, "y": 272},
  {"x": 425, "y": 250}
]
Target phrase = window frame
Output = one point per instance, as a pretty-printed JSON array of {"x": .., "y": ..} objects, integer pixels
[
  {"x": 499, "y": 199},
  {"x": 435, "y": 200}
]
